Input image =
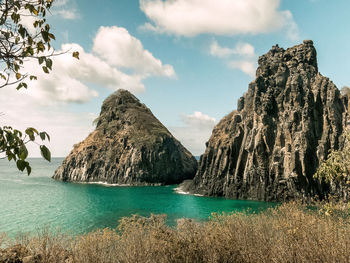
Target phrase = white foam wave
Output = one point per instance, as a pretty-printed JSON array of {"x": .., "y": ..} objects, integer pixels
[
  {"x": 180, "y": 191},
  {"x": 105, "y": 184}
]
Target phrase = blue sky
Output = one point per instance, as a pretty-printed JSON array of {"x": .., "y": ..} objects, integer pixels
[{"x": 207, "y": 50}]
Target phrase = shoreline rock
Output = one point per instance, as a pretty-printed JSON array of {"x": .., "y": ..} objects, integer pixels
[
  {"x": 284, "y": 126},
  {"x": 128, "y": 146}
]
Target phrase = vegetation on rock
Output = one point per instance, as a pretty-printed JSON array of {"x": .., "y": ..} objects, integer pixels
[
  {"x": 129, "y": 146},
  {"x": 284, "y": 127},
  {"x": 336, "y": 169}
]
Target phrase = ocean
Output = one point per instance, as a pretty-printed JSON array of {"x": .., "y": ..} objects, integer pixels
[{"x": 29, "y": 203}]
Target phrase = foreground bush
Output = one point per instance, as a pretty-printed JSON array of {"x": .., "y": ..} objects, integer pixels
[{"x": 288, "y": 233}]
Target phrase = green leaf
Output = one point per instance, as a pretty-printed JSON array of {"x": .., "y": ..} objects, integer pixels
[
  {"x": 30, "y": 133},
  {"x": 41, "y": 60},
  {"x": 19, "y": 86},
  {"x": 45, "y": 70},
  {"x": 52, "y": 36},
  {"x": 44, "y": 135},
  {"x": 40, "y": 47},
  {"x": 45, "y": 35},
  {"x": 22, "y": 85},
  {"x": 30, "y": 50},
  {"x": 11, "y": 156},
  {"x": 47, "y": 136},
  {"x": 23, "y": 152},
  {"x": 2, "y": 76},
  {"x": 45, "y": 153},
  {"x": 21, "y": 165},
  {"x": 22, "y": 31},
  {"x": 35, "y": 12},
  {"x": 75, "y": 54},
  {"x": 29, "y": 169},
  {"x": 49, "y": 63}
]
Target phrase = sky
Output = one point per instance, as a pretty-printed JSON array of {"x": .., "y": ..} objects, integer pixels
[{"x": 189, "y": 61}]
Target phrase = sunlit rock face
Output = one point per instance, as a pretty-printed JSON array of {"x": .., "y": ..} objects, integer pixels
[
  {"x": 284, "y": 126},
  {"x": 128, "y": 146}
]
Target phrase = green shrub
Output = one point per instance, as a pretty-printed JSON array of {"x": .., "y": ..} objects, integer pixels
[{"x": 288, "y": 233}]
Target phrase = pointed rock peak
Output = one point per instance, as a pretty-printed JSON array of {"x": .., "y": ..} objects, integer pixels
[
  {"x": 116, "y": 105},
  {"x": 285, "y": 126},
  {"x": 129, "y": 146},
  {"x": 299, "y": 57},
  {"x": 308, "y": 42},
  {"x": 120, "y": 97}
]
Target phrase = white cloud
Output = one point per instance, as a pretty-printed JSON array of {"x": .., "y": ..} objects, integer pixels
[
  {"x": 65, "y": 10},
  {"x": 67, "y": 14},
  {"x": 195, "y": 131},
  {"x": 70, "y": 78},
  {"x": 61, "y": 8},
  {"x": 116, "y": 46},
  {"x": 199, "y": 119},
  {"x": 222, "y": 17},
  {"x": 45, "y": 104},
  {"x": 65, "y": 36},
  {"x": 242, "y": 56},
  {"x": 92, "y": 68},
  {"x": 65, "y": 128},
  {"x": 27, "y": 21},
  {"x": 248, "y": 67},
  {"x": 243, "y": 49},
  {"x": 60, "y": 2}
]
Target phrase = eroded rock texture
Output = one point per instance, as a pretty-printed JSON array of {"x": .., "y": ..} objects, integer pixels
[
  {"x": 129, "y": 146},
  {"x": 284, "y": 126}
]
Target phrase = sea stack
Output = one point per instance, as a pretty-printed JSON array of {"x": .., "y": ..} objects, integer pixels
[
  {"x": 284, "y": 126},
  {"x": 129, "y": 146}
]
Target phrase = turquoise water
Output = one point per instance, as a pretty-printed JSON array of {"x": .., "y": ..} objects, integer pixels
[{"x": 31, "y": 202}]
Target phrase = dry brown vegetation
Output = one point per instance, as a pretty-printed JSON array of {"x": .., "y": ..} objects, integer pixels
[{"x": 289, "y": 233}]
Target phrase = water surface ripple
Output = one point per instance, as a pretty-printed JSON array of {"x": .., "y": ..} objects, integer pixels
[{"x": 31, "y": 202}]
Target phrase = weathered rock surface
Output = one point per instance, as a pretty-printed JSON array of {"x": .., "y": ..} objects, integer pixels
[
  {"x": 284, "y": 126},
  {"x": 129, "y": 146}
]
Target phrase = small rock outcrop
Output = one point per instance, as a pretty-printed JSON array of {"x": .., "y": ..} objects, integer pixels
[
  {"x": 128, "y": 146},
  {"x": 284, "y": 126}
]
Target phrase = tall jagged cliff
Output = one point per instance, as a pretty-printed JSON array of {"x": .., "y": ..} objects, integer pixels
[
  {"x": 129, "y": 146},
  {"x": 284, "y": 126}
]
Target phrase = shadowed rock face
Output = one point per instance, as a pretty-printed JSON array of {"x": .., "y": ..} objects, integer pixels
[
  {"x": 129, "y": 146},
  {"x": 284, "y": 126}
]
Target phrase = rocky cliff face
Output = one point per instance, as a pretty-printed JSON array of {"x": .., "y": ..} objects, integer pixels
[
  {"x": 284, "y": 126},
  {"x": 129, "y": 146}
]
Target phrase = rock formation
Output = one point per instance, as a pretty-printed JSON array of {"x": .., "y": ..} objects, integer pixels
[
  {"x": 129, "y": 146},
  {"x": 284, "y": 126}
]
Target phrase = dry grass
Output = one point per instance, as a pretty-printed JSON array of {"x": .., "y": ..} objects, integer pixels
[{"x": 288, "y": 233}]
